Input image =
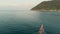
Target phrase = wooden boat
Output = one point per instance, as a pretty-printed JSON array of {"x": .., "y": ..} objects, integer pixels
[{"x": 42, "y": 29}]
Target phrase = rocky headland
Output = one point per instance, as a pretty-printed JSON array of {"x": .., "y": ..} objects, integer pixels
[{"x": 53, "y": 5}]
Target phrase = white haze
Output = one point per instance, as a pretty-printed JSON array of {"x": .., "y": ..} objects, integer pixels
[{"x": 18, "y": 4}]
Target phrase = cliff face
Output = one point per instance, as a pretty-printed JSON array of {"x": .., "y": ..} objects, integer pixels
[{"x": 48, "y": 5}]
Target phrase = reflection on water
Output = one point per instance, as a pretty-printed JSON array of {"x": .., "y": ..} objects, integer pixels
[{"x": 28, "y": 22}]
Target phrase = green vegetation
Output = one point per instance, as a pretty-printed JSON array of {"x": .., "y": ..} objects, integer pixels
[{"x": 48, "y": 5}]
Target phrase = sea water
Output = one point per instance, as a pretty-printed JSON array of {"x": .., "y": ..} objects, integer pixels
[{"x": 28, "y": 22}]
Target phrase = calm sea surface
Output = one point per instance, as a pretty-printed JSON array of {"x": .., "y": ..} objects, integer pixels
[{"x": 28, "y": 22}]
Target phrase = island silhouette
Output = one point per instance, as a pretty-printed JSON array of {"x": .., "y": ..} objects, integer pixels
[{"x": 53, "y": 5}]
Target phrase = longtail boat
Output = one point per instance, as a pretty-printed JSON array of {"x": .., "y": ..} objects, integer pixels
[{"x": 42, "y": 29}]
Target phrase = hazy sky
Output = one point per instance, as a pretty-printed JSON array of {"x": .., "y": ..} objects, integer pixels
[{"x": 18, "y": 4}]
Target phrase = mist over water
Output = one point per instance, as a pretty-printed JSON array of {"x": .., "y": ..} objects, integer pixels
[{"x": 28, "y": 22}]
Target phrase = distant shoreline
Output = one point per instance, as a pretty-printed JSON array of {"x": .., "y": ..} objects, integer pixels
[{"x": 47, "y": 10}]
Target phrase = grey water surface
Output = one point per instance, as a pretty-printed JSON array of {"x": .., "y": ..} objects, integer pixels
[{"x": 29, "y": 22}]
